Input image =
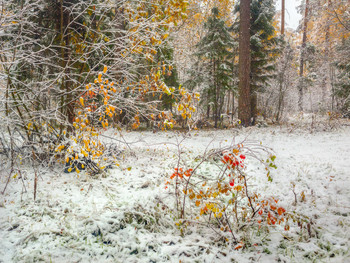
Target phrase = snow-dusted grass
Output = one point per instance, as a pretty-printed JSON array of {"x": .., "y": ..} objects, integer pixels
[{"x": 127, "y": 216}]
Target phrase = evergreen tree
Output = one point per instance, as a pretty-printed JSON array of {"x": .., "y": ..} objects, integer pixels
[
  {"x": 215, "y": 53},
  {"x": 342, "y": 89},
  {"x": 171, "y": 79}
]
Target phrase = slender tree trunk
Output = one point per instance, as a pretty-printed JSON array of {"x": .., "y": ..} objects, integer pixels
[
  {"x": 233, "y": 106},
  {"x": 327, "y": 77},
  {"x": 253, "y": 105},
  {"x": 302, "y": 55},
  {"x": 208, "y": 105},
  {"x": 280, "y": 97},
  {"x": 228, "y": 94},
  {"x": 282, "y": 16},
  {"x": 326, "y": 61},
  {"x": 244, "y": 106}
]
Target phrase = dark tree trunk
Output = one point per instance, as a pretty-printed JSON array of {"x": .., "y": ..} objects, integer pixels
[
  {"x": 208, "y": 105},
  {"x": 244, "y": 100},
  {"x": 67, "y": 102},
  {"x": 254, "y": 106}
]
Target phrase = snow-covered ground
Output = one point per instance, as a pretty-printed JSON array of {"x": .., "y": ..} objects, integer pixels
[{"x": 125, "y": 217}]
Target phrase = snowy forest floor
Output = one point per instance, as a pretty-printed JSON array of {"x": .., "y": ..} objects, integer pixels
[{"x": 120, "y": 218}]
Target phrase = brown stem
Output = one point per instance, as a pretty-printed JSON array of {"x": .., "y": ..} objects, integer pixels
[
  {"x": 246, "y": 192},
  {"x": 229, "y": 225}
]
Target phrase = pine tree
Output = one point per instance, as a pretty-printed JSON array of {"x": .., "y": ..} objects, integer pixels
[
  {"x": 283, "y": 11},
  {"x": 215, "y": 50},
  {"x": 244, "y": 106},
  {"x": 264, "y": 45}
]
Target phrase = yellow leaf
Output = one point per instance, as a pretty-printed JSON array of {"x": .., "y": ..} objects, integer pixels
[
  {"x": 82, "y": 101},
  {"x": 104, "y": 69},
  {"x": 180, "y": 107}
]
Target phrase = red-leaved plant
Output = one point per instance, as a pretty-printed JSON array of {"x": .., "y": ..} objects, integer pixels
[{"x": 223, "y": 199}]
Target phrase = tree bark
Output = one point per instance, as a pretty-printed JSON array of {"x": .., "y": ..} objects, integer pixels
[
  {"x": 283, "y": 16},
  {"x": 254, "y": 106},
  {"x": 244, "y": 100},
  {"x": 302, "y": 55}
]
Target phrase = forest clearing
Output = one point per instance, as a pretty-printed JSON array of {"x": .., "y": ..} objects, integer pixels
[{"x": 129, "y": 215}]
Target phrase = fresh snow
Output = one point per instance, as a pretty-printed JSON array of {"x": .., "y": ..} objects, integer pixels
[{"x": 126, "y": 217}]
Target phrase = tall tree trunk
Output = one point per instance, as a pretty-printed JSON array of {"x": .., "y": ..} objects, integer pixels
[
  {"x": 244, "y": 107},
  {"x": 283, "y": 10},
  {"x": 327, "y": 77},
  {"x": 302, "y": 55}
]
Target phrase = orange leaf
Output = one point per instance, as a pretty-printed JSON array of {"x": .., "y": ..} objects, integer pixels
[
  {"x": 240, "y": 245},
  {"x": 281, "y": 210}
]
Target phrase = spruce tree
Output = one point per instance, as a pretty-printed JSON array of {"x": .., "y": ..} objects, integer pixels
[
  {"x": 342, "y": 87},
  {"x": 215, "y": 53}
]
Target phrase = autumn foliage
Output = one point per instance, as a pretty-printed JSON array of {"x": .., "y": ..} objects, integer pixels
[{"x": 98, "y": 107}]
